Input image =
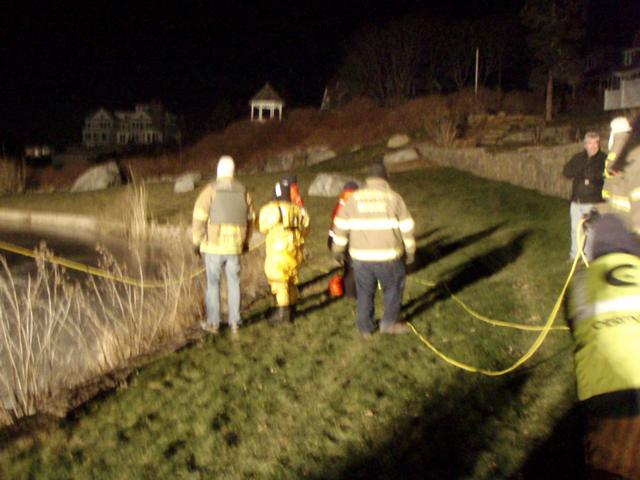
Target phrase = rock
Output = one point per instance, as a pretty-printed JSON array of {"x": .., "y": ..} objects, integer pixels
[
  {"x": 328, "y": 185},
  {"x": 284, "y": 161},
  {"x": 319, "y": 154},
  {"x": 398, "y": 140},
  {"x": 404, "y": 155},
  {"x": 356, "y": 148},
  {"x": 98, "y": 178},
  {"x": 187, "y": 182}
]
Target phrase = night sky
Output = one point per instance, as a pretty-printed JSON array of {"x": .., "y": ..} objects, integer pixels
[{"x": 59, "y": 61}]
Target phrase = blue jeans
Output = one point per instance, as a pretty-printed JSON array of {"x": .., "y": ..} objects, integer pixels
[
  {"x": 214, "y": 264},
  {"x": 577, "y": 211},
  {"x": 391, "y": 276}
]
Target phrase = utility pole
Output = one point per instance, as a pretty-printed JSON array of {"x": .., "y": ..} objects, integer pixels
[{"x": 477, "y": 65}]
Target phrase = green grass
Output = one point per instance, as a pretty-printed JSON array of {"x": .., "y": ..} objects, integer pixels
[{"x": 314, "y": 400}]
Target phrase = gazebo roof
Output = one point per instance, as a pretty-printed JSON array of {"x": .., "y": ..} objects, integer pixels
[{"x": 267, "y": 93}]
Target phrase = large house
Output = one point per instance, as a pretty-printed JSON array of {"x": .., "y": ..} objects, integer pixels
[
  {"x": 148, "y": 124},
  {"x": 623, "y": 90}
]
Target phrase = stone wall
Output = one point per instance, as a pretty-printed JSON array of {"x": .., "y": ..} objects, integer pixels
[{"x": 538, "y": 168}]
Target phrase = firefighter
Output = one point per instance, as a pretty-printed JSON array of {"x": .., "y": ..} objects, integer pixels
[
  {"x": 377, "y": 229},
  {"x": 223, "y": 218},
  {"x": 622, "y": 173},
  {"x": 605, "y": 322},
  {"x": 286, "y": 225},
  {"x": 347, "y": 279}
]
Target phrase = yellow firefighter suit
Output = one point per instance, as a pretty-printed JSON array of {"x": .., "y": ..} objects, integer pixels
[{"x": 285, "y": 225}]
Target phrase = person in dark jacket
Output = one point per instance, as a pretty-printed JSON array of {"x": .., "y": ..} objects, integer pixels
[{"x": 586, "y": 169}]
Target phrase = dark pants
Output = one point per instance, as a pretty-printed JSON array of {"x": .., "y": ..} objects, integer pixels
[
  {"x": 349, "y": 279},
  {"x": 391, "y": 276}
]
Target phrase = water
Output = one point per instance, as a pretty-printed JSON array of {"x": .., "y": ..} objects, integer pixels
[
  {"x": 72, "y": 344},
  {"x": 78, "y": 246}
]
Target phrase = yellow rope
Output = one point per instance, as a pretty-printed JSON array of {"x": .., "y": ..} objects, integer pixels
[
  {"x": 95, "y": 271},
  {"x": 544, "y": 330},
  {"x": 532, "y": 350},
  {"x": 482, "y": 318}
]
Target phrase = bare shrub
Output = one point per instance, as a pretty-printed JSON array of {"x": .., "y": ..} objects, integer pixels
[
  {"x": 12, "y": 175},
  {"x": 519, "y": 102},
  {"x": 33, "y": 319},
  {"x": 54, "y": 334},
  {"x": 130, "y": 209}
]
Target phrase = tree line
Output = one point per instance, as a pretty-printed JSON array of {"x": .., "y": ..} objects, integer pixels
[{"x": 421, "y": 54}]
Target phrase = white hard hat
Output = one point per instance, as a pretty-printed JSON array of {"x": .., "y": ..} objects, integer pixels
[{"x": 226, "y": 167}]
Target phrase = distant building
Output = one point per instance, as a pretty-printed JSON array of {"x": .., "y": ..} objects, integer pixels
[
  {"x": 148, "y": 124},
  {"x": 623, "y": 90},
  {"x": 36, "y": 152},
  {"x": 266, "y": 104}
]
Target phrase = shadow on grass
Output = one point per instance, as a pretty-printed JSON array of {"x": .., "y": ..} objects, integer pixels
[
  {"x": 561, "y": 455},
  {"x": 442, "y": 247},
  {"x": 304, "y": 299},
  {"x": 478, "y": 268},
  {"x": 323, "y": 276},
  {"x": 442, "y": 440}
]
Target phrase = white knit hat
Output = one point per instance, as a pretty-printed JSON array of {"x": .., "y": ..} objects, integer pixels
[{"x": 226, "y": 167}]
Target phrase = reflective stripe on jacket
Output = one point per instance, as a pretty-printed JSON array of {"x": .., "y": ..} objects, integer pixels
[
  {"x": 375, "y": 223},
  {"x": 622, "y": 191},
  {"x": 605, "y": 312},
  {"x": 286, "y": 225},
  {"x": 215, "y": 236}
]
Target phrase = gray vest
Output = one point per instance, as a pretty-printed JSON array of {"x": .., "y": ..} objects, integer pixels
[{"x": 229, "y": 204}]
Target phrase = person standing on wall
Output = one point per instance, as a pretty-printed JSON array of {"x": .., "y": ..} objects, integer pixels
[
  {"x": 378, "y": 230},
  {"x": 586, "y": 169},
  {"x": 223, "y": 217}
]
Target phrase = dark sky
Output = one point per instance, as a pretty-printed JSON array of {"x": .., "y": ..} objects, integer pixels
[{"x": 60, "y": 60}]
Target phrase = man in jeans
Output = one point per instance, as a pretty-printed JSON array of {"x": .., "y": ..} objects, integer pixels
[
  {"x": 586, "y": 169},
  {"x": 223, "y": 217},
  {"x": 378, "y": 228}
]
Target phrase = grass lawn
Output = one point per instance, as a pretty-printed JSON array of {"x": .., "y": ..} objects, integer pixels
[{"x": 315, "y": 400}]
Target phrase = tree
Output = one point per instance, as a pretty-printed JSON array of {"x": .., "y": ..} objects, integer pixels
[
  {"x": 383, "y": 62},
  {"x": 557, "y": 29}
]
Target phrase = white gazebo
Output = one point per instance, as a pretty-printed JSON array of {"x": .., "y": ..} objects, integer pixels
[{"x": 265, "y": 104}]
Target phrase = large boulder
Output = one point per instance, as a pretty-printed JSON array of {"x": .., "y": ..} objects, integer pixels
[
  {"x": 319, "y": 154},
  {"x": 328, "y": 185},
  {"x": 398, "y": 140},
  {"x": 284, "y": 161},
  {"x": 400, "y": 156},
  {"x": 187, "y": 182},
  {"x": 98, "y": 178}
]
